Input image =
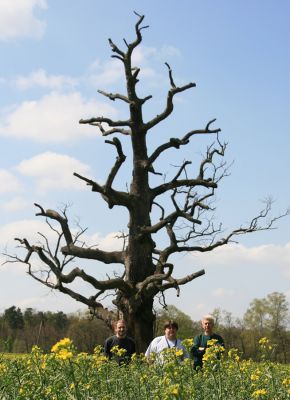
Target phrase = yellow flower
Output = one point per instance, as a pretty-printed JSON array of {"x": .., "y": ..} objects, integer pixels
[
  {"x": 64, "y": 343},
  {"x": 212, "y": 342},
  {"x": 98, "y": 350},
  {"x": 254, "y": 377},
  {"x": 286, "y": 382},
  {"x": 118, "y": 351},
  {"x": 260, "y": 392},
  {"x": 233, "y": 354},
  {"x": 187, "y": 342},
  {"x": 174, "y": 389},
  {"x": 263, "y": 341},
  {"x": 179, "y": 353},
  {"x": 64, "y": 354},
  {"x": 265, "y": 344}
]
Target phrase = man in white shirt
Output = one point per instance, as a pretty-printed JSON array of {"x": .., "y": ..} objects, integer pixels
[{"x": 168, "y": 341}]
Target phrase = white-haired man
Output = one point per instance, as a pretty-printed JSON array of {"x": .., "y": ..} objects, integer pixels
[{"x": 200, "y": 342}]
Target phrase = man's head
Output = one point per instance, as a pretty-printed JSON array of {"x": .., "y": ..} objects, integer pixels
[
  {"x": 170, "y": 329},
  {"x": 120, "y": 329},
  {"x": 207, "y": 324}
]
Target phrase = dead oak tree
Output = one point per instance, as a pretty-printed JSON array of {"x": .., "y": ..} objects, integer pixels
[{"x": 147, "y": 268}]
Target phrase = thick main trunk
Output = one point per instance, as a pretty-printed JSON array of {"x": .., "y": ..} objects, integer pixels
[{"x": 141, "y": 324}]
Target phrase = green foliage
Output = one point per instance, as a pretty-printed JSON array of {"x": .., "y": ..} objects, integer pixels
[
  {"x": 14, "y": 318},
  {"x": 63, "y": 374},
  {"x": 171, "y": 312}
]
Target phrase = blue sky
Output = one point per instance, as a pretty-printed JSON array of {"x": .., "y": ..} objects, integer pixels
[{"x": 54, "y": 57}]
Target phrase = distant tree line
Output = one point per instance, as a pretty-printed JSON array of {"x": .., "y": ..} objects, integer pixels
[
  {"x": 21, "y": 330},
  {"x": 269, "y": 316}
]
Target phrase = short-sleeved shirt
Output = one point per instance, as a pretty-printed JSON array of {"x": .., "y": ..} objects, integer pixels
[
  {"x": 125, "y": 343},
  {"x": 161, "y": 343}
]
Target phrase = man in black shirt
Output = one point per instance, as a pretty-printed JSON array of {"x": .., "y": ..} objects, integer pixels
[
  {"x": 126, "y": 345},
  {"x": 200, "y": 341}
]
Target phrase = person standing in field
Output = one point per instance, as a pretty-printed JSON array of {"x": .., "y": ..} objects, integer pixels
[
  {"x": 200, "y": 342},
  {"x": 120, "y": 347},
  {"x": 168, "y": 341}
]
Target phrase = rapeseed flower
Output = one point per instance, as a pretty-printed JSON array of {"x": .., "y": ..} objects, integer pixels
[
  {"x": 173, "y": 389},
  {"x": 258, "y": 393},
  {"x": 64, "y": 354},
  {"x": 62, "y": 344},
  {"x": 118, "y": 351},
  {"x": 179, "y": 353}
]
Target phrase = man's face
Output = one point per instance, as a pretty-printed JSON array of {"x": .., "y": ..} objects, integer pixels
[
  {"x": 207, "y": 326},
  {"x": 121, "y": 329},
  {"x": 170, "y": 332}
]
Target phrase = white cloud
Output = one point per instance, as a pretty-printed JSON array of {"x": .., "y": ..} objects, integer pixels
[
  {"x": 22, "y": 229},
  {"x": 109, "y": 72},
  {"x": 8, "y": 182},
  {"x": 200, "y": 306},
  {"x": 277, "y": 256},
  {"x": 169, "y": 51},
  {"x": 17, "y": 19},
  {"x": 15, "y": 204},
  {"x": 54, "y": 118},
  {"x": 112, "y": 71},
  {"x": 109, "y": 242},
  {"x": 42, "y": 79},
  {"x": 222, "y": 292},
  {"x": 53, "y": 171},
  {"x": 143, "y": 54}
]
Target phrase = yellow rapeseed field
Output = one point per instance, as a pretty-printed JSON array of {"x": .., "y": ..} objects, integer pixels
[{"x": 65, "y": 374}]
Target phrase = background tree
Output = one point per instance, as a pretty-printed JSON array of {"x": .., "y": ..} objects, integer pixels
[
  {"x": 87, "y": 333},
  {"x": 14, "y": 319},
  {"x": 185, "y": 323},
  {"x": 178, "y": 206}
]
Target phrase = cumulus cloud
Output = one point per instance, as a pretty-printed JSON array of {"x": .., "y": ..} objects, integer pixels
[
  {"x": 170, "y": 51},
  {"x": 259, "y": 256},
  {"x": 24, "y": 228},
  {"x": 42, "y": 79},
  {"x": 106, "y": 73},
  {"x": 222, "y": 292},
  {"x": 109, "y": 242},
  {"x": 17, "y": 19},
  {"x": 8, "y": 182},
  {"x": 53, "y": 118},
  {"x": 15, "y": 204},
  {"x": 53, "y": 171},
  {"x": 112, "y": 71}
]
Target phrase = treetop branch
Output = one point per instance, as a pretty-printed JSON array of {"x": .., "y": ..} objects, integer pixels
[
  {"x": 177, "y": 142},
  {"x": 110, "y": 122},
  {"x": 51, "y": 214},
  {"x": 169, "y": 106},
  {"x": 119, "y": 161},
  {"x": 182, "y": 182},
  {"x": 182, "y": 281},
  {"x": 111, "y": 196},
  {"x": 111, "y": 131},
  {"x": 114, "y": 96}
]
